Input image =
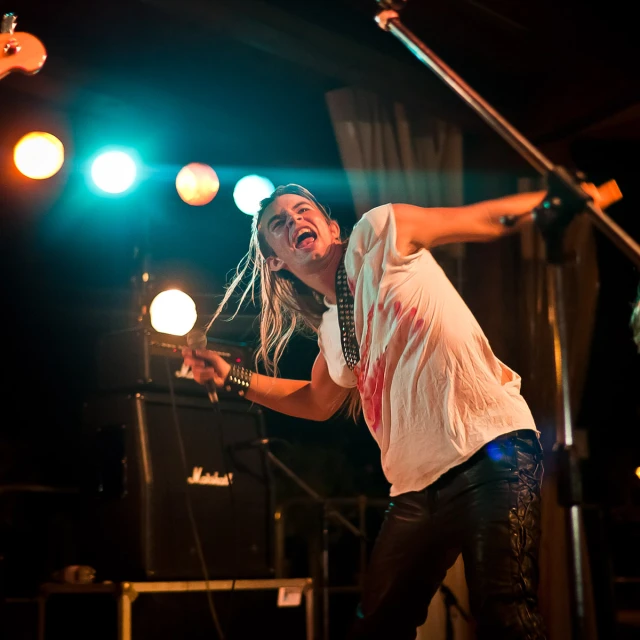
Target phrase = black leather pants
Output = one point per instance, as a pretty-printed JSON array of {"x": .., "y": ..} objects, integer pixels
[{"x": 488, "y": 509}]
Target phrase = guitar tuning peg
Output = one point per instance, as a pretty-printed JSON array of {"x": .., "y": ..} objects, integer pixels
[{"x": 9, "y": 22}]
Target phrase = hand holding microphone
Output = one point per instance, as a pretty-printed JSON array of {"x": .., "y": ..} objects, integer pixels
[{"x": 209, "y": 369}]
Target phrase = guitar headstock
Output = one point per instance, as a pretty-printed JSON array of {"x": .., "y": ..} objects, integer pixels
[{"x": 19, "y": 51}]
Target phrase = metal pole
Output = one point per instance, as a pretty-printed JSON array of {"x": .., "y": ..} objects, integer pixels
[
  {"x": 279, "y": 535},
  {"x": 568, "y": 471},
  {"x": 42, "y": 612},
  {"x": 310, "y": 613},
  {"x": 389, "y": 20},
  {"x": 124, "y": 612}
]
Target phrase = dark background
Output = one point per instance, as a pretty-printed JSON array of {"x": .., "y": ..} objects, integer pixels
[{"x": 240, "y": 85}]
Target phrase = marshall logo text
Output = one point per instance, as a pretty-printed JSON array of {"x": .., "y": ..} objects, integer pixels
[{"x": 208, "y": 479}]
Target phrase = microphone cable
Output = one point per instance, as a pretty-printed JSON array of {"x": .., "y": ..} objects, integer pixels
[
  {"x": 197, "y": 339},
  {"x": 234, "y": 545},
  {"x": 192, "y": 520}
]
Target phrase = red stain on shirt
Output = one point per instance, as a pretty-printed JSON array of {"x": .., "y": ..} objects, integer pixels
[
  {"x": 371, "y": 375},
  {"x": 371, "y": 388}
]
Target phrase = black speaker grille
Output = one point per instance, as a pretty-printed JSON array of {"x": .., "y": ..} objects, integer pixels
[{"x": 143, "y": 515}]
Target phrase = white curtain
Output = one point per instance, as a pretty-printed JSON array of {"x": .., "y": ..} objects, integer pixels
[{"x": 395, "y": 153}]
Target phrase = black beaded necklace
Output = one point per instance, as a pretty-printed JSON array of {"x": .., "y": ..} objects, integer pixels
[{"x": 345, "y": 303}]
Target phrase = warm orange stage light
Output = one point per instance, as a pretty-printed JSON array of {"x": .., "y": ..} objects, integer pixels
[
  {"x": 38, "y": 155},
  {"x": 197, "y": 184}
]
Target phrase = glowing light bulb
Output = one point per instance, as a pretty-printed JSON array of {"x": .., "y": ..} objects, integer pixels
[
  {"x": 114, "y": 171},
  {"x": 197, "y": 184},
  {"x": 38, "y": 155},
  {"x": 173, "y": 312},
  {"x": 249, "y": 191}
]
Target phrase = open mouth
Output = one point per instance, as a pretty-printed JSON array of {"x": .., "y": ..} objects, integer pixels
[{"x": 304, "y": 238}]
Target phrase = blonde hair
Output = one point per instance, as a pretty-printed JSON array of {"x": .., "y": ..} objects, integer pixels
[{"x": 288, "y": 305}]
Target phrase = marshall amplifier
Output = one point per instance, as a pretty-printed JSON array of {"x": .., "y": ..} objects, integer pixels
[
  {"x": 169, "y": 472},
  {"x": 139, "y": 358}
]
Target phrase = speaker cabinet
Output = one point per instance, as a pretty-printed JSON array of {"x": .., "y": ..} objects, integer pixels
[{"x": 168, "y": 470}]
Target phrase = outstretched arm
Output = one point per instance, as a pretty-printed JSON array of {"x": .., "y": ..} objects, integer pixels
[
  {"x": 315, "y": 399},
  {"x": 420, "y": 227}
]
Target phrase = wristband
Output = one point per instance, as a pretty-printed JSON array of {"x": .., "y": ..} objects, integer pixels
[{"x": 238, "y": 379}]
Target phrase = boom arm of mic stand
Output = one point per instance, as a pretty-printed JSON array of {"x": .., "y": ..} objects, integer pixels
[
  {"x": 318, "y": 498},
  {"x": 389, "y": 20}
]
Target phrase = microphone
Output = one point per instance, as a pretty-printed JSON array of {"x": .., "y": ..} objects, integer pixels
[{"x": 197, "y": 339}]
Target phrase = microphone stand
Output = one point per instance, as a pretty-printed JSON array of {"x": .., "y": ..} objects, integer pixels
[
  {"x": 564, "y": 199},
  {"x": 327, "y": 513},
  {"x": 451, "y": 602}
]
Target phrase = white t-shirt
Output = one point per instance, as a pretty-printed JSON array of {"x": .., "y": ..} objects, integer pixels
[{"x": 431, "y": 387}]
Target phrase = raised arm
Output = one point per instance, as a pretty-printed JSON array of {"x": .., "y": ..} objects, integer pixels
[
  {"x": 420, "y": 227},
  {"x": 315, "y": 399}
]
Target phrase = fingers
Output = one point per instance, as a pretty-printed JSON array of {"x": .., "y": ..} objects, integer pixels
[
  {"x": 189, "y": 352},
  {"x": 206, "y": 365},
  {"x": 201, "y": 370},
  {"x": 591, "y": 189},
  {"x": 193, "y": 355},
  {"x": 604, "y": 195},
  {"x": 608, "y": 193}
]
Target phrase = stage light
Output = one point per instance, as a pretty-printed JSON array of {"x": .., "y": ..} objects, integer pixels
[
  {"x": 38, "y": 155},
  {"x": 197, "y": 184},
  {"x": 173, "y": 312},
  {"x": 114, "y": 171},
  {"x": 249, "y": 191},
  {"x": 638, "y": 472}
]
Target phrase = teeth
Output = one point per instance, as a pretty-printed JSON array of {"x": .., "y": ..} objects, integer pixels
[{"x": 300, "y": 232}]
